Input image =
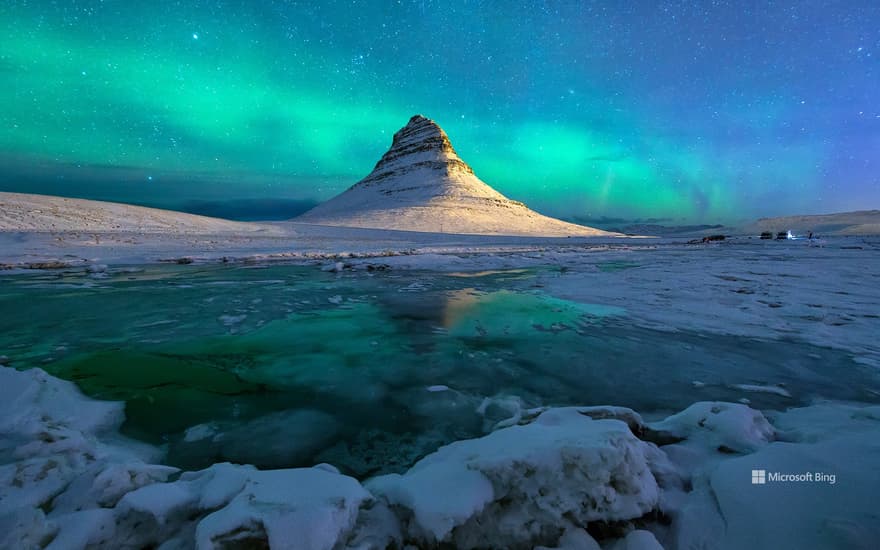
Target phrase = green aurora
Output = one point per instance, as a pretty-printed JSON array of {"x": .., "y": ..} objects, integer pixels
[{"x": 166, "y": 102}]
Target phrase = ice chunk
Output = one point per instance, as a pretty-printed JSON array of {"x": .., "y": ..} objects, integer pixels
[
  {"x": 757, "y": 388},
  {"x": 574, "y": 539},
  {"x": 307, "y": 509},
  {"x": 86, "y": 529},
  {"x": 522, "y": 483},
  {"x": 102, "y": 485},
  {"x": 831, "y": 505},
  {"x": 32, "y": 402},
  {"x": 719, "y": 425},
  {"x": 637, "y": 540},
  {"x": 199, "y": 432},
  {"x": 25, "y": 528}
]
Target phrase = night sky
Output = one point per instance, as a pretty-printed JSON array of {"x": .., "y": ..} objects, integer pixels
[{"x": 676, "y": 111}]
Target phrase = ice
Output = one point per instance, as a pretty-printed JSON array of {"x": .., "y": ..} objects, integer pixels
[
  {"x": 86, "y": 529},
  {"x": 309, "y": 509},
  {"x": 285, "y": 439},
  {"x": 231, "y": 320},
  {"x": 547, "y": 481},
  {"x": 28, "y": 398},
  {"x": 375, "y": 452},
  {"x": 199, "y": 432},
  {"x": 551, "y": 361},
  {"x": 716, "y": 425},
  {"x": 830, "y": 439},
  {"x": 25, "y": 527},
  {"x": 104, "y": 484},
  {"x": 573, "y": 539},
  {"x": 762, "y": 389},
  {"x": 637, "y": 540},
  {"x": 524, "y": 482}
]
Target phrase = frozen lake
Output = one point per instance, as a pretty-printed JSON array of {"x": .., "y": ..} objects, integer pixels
[{"x": 378, "y": 365}]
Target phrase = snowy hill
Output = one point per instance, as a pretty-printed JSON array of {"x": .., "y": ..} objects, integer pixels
[
  {"x": 421, "y": 184},
  {"x": 863, "y": 222},
  {"x": 26, "y": 212}
]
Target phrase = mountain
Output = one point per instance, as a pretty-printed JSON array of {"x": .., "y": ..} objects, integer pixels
[
  {"x": 421, "y": 184},
  {"x": 863, "y": 222},
  {"x": 26, "y": 212}
]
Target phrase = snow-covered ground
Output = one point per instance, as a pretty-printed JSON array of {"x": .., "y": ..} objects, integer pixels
[
  {"x": 862, "y": 222},
  {"x": 565, "y": 477},
  {"x": 24, "y": 212},
  {"x": 44, "y": 231}
]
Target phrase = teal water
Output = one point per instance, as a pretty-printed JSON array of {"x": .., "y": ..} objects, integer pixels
[{"x": 287, "y": 365}]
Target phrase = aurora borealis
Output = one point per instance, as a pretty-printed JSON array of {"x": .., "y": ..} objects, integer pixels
[{"x": 700, "y": 111}]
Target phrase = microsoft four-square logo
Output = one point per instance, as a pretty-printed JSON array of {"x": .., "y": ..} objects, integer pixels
[{"x": 759, "y": 477}]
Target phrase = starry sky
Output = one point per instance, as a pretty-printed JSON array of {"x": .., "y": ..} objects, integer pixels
[{"x": 593, "y": 111}]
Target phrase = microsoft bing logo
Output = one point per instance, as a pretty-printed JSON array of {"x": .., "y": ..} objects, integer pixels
[{"x": 759, "y": 477}]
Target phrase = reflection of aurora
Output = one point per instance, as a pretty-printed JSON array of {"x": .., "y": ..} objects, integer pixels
[
  {"x": 515, "y": 315},
  {"x": 364, "y": 350}
]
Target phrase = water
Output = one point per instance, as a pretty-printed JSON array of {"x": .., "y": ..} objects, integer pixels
[{"x": 286, "y": 365}]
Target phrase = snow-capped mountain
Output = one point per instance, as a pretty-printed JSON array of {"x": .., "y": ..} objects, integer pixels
[{"x": 421, "y": 184}]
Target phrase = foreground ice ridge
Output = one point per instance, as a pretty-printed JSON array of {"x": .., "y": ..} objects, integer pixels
[{"x": 562, "y": 478}]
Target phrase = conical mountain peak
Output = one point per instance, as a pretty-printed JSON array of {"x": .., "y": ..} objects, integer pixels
[
  {"x": 421, "y": 184},
  {"x": 422, "y": 143}
]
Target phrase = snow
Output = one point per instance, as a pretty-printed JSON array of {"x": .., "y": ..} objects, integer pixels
[
  {"x": 864, "y": 222},
  {"x": 69, "y": 480},
  {"x": 421, "y": 184},
  {"x": 45, "y": 213},
  {"x": 311, "y": 509},
  {"x": 719, "y": 425},
  {"x": 833, "y": 439},
  {"x": 521, "y": 483},
  {"x": 637, "y": 540},
  {"x": 573, "y": 539},
  {"x": 757, "y": 388}
]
